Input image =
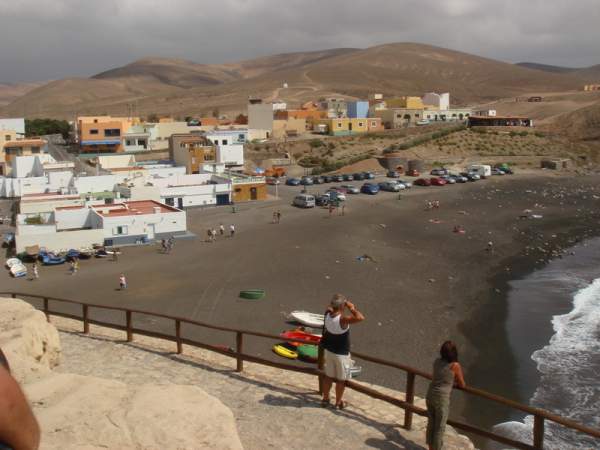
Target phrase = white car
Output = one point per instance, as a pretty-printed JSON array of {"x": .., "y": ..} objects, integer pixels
[
  {"x": 423, "y": 122},
  {"x": 335, "y": 195}
]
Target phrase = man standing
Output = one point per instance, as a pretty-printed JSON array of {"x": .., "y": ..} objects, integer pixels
[
  {"x": 336, "y": 346},
  {"x": 278, "y": 216},
  {"x": 36, "y": 273},
  {"x": 122, "y": 282},
  {"x": 231, "y": 230},
  {"x": 222, "y": 229}
]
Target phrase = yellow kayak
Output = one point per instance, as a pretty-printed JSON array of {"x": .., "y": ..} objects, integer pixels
[{"x": 282, "y": 350}]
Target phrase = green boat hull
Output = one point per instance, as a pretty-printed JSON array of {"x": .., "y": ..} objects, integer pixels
[{"x": 252, "y": 294}]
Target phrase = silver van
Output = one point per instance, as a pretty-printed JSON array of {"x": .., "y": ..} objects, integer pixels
[{"x": 304, "y": 201}]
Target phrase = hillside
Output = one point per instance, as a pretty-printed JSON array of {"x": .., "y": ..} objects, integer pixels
[
  {"x": 547, "y": 67},
  {"x": 582, "y": 124},
  {"x": 9, "y": 92},
  {"x": 179, "y": 87}
]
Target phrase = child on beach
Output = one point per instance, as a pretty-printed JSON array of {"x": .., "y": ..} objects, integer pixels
[
  {"x": 35, "y": 270},
  {"x": 122, "y": 282}
]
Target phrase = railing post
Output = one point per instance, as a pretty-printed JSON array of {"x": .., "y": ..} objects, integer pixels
[
  {"x": 321, "y": 366},
  {"x": 46, "y": 309},
  {"x": 178, "y": 336},
  {"x": 239, "y": 347},
  {"x": 410, "y": 399},
  {"x": 13, "y": 295},
  {"x": 86, "y": 324},
  {"x": 129, "y": 330},
  {"x": 538, "y": 432}
]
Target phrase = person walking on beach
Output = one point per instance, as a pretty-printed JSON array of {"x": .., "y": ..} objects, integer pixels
[
  {"x": 163, "y": 245},
  {"x": 222, "y": 230},
  {"x": 278, "y": 216},
  {"x": 274, "y": 220},
  {"x": 231, "y": 230},
  {"x": 122, "y": 282},
  {"x": 214, "y": 234},
  {"x": 447, "y": 373},
  {"x": 209, "y": 234},
  {"x": 336, "y": 346},
  {"x": 35, "y": 270},
  {"x": 170, "y": 244},
  {"x": 115, "y": 254}
]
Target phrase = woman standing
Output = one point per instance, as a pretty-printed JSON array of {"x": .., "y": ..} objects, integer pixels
[{"x": 447, "y": 373}]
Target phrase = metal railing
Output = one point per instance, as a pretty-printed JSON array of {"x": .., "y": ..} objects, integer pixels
[{"x": 540, "y": 416}]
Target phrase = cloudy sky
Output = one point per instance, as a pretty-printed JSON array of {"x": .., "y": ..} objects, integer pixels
[{"x": 50, "y": 39}]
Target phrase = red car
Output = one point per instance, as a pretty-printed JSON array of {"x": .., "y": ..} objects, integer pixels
[
  {"x": 422, "y": 182},
  {"x": 435, "y": 181}
]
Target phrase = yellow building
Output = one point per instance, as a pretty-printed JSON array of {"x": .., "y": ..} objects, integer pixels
[
  {"x": 342, "y": 127},
  {"x": 288, "y": 127},
  {"x": 405, "y": 103}
]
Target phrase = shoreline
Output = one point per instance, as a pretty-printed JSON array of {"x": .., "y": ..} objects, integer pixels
[{"x": 486, "y": 327}]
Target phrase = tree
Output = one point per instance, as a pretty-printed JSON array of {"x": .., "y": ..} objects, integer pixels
[{"x": 41, "y": 127}]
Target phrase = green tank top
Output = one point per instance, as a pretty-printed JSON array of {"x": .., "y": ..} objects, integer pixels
[{"x": 443, "y": 378}]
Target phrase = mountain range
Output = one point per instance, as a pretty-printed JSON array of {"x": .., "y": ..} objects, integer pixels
[{"x": 178, "y": 87}]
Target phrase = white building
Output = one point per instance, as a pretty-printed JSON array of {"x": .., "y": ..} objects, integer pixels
[
  {"x": 14, "y": 124},
  {"x": 440, "y": 102},
  {"x": 125, "y": 223},
  {"x": 485, "y": 113},
  {"x": 35, "y": 175},
  {"x": 230, "y": 146}
]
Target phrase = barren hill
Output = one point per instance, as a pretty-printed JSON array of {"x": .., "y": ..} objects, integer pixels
[
  {"x": 179, "y": 87},
  {"x": 9, "y": 92},
  {"x": 547, "y": 67}
]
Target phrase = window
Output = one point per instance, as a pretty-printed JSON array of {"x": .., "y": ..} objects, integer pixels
[
  {"x": 35, "y": 149},
  {"x": 224, "y": 142},
  {"x": 373, "y": 124},
  {"x": 416, "y": 115},
  {"x": 241, "y": 137},
  {"x": 216, "y": 141},
  {"x": 361, "y": 124},
  {"x": 112, "y": 132},
  {"x": 7, "y": 137},
  {"x": 93, "y": 131},
  {"x": 95, "y": 120},
  {"x": 339, "y": 124},
  {"x": 129, "y": 142},
  {"x": 120, "y": 230}
]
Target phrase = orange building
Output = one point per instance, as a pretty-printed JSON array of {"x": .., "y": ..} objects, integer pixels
[{"x": 102, "y": 134}]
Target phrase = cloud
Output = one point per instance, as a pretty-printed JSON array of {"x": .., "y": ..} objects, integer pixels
[{"x": 46, "y": 39}]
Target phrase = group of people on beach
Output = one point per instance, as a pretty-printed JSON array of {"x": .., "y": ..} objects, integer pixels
[
  {"x": 211, "y": 233},
  {"x": 167, "y": 244},
  {"x": 335, "y": 342}
]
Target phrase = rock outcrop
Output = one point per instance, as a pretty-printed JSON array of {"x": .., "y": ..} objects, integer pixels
[
  {"x": 30, "y": 343},
  {"x": 89, "y": 412}
]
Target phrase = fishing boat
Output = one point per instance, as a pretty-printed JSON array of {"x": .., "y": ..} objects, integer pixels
[
  {"x": 252, "y": 294},
  {"x": 12, "y": 262},
  {"x": 308, "y": 353},
  {"x": 309, "y": 319},
  {"x": 18, "y": 270},
  {"x": 50, "y": 259},
  {"x": 72, "y": 254},
  {"x": 86, "y": 253}
]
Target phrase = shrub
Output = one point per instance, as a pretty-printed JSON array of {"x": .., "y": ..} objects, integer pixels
[
  {"x": 523, "y": 133},
  {"x": 315, "y": 143},
  {"x": 539, "y": 134},
  {"x": 34, "y": 220}
]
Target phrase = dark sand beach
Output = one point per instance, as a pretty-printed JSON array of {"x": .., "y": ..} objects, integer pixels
[{"x": 425, "y": 284}]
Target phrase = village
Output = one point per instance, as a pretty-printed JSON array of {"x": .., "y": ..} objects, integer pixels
[{"x": 125, "y": 181}]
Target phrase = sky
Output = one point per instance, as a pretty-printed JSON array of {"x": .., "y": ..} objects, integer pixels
[{"x": 52, "y": 39}]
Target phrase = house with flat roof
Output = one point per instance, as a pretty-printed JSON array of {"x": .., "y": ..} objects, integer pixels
[
  {"x": 122, "y": 223},
  {"x": 103, "y": 134}
]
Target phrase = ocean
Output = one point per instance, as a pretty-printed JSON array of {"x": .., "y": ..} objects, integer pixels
[{"x": 553, "y": 328}]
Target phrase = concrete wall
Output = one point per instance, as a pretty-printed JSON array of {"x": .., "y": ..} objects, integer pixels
[
  {"x": 138, "y": 225},
  {"x": 45, "y": 206},
  {"x": 260, "y": 116},
  {"x": 60, "y": 241},
  {"x": 72, "y": 219},
  {"x": 98, "y": 183}
]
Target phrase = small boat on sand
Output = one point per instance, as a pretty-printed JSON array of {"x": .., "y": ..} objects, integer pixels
[
  {"x": 18, "y": 270},
  {"x": 12, "y": 261},
  {"x": 309, "y": 319},
  {"x": 252, "y": 294},
  {"x": 285, "y": 351},
  {"x": 50, "y": 259},
  {"x": 300, "y": 335}
]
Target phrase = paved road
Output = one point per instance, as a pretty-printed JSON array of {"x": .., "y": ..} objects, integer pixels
[{"x": 60, "y": 153}]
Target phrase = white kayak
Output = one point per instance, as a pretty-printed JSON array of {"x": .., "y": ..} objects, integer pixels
[
  {"x": 18, "y": 270},
  {"x": 308, "y": 319},
  {"x": 12, "y": 262}
]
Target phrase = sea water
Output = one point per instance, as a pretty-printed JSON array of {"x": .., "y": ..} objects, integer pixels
[{"x": 566, "y": 295}]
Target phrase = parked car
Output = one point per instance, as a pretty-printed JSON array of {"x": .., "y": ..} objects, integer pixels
[
  {"x": 458, "y": 178},
  {"x": 439, "y": 171},
  {"x": 335, "y": 195},
  {"x": 369, "y": 188},
  {"x": 306, "y": 181},
  {"x": 322, "y": 200},
  {"x": 292, "y": 182},
  {"x": 350, "y": 189},
  {"x": 318, "y": 180},
  {"x": 422, "y": 182},
  {"x": 272, "y": 181},
  {"x": 448, "y": 179},
  {"x": 471, "y": 176},
  {"x": 338, "y": 178},
  {"x": 504, "y": 168},
  {"x": 407, "y": 184},
  {"x": 413, "y": 173},
  {"x": 497, "y": 171},
  {"x": 393, "y": 174},
  {"x": 423, "y": 122},
  {"x": 437, "y": 181},
  {"x": 390, "y": 186},
  {"x": 304, "y": 201},
  {"x": 369, "y": 175},
  {"x": 359, "y": 176},
  {"x": 327, "y": 179},
  {"x": 348, "y": 177}
]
